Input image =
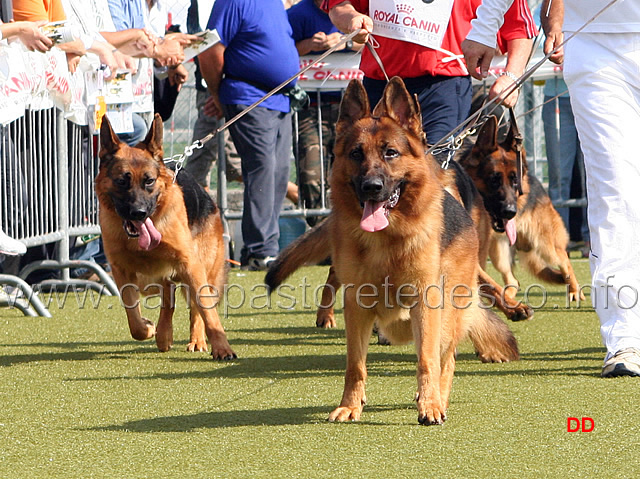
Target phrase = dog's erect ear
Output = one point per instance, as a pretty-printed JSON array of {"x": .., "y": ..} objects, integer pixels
[
  {"x": 109, "y": 141},
  {"x": 398, "y": 104},
  {"x": 354, "y": 105},
  {"x": 487, "y": 140},
  {"x": 153, "y": 141},
  {"x": 510, "y": 142}
]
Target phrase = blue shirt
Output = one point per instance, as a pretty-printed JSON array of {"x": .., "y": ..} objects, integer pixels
[
  {"x": 306, "y": 20},
  {"x": 127, "y": 14},
  {"x": 259, "y": 47}
]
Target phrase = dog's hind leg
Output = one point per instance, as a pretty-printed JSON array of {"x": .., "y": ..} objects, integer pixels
[
  {"x": 164, "y": 330},
  {"x": 140, "y": 328},
  {"x": 564, "y": 275},
  {"x": 325, "y": 317}
]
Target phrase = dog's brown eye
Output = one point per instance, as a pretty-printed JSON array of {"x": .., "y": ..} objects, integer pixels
[
  {"x": 390, "y": 154},
  {"x": 121, "y": 182},
  {"x": 149, "y": 182},
  {"x": 356, "y": 155},
  {"x": 496, "y": 180}
]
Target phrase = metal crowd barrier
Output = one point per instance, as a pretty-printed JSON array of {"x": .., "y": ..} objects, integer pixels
[{"x": 48, "y": 166}]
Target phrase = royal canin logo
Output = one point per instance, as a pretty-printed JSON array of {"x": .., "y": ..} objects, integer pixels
[
  {"x": 404, "y": 18},
  {"x": 404, "y": 8}
]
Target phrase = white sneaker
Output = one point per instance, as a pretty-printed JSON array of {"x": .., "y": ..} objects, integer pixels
[
  {"x": 625, "y": 362},
  {"x": 10, "y": 246}
]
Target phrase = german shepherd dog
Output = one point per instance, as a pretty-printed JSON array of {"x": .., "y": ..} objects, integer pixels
[
  {"x": 156, "y": 232},
  {"x": 459, "y": 184},
  {"x": 395, "y": 233},
  {"x": 527, "y": 221}
]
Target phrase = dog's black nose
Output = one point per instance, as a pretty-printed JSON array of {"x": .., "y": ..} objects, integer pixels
[
  {"x": 509, "y": 211},
  {"x": 372, "y": 185},
  {"x": 137, "y": 214}
]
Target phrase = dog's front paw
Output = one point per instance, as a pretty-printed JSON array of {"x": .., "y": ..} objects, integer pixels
[
  {"x": 430, "y": 413},
  {"x": 520, "y": 313},
  {"x": 345, "y": 413},
  {"x": 574, "y": 295},
  {"x": 325, "y": 318},
  {"x": 199, "y": 346},
  {"x": 223, "y": 352},
  {"x": 143, "y": 330}
]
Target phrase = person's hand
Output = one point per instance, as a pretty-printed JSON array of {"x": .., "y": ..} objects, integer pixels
[
  {"x": 31, "y": 36},
  {"x": 125, "y": 62},
  {"x": 364, "y": 25},
  {"x": 146, "y": 42},
  {"x": 178, "y": 76},
  {"x": 168, "y": 52},
  {"x": 213, "y": 107},
  {"x": 183, "y": 39},
  {"x": 478, "y": 58},
  {"x": 107, "y": 58},
  {"x": 73, "y": 60},
  {"x": 552, "y": 41},
  {"x": 502, "y": 84}
]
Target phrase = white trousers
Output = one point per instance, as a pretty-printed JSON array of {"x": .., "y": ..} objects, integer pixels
[{"x": 602, "y": 71}]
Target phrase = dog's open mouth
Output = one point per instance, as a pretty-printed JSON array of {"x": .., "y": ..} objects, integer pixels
[
  {"x": 148, "y": 236},
  {"x": 505, "y": 226},
  {"x": 375, "y": 213}
]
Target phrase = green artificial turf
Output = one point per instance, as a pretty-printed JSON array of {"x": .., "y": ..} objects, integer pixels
[{"x": 80, "y": 398}]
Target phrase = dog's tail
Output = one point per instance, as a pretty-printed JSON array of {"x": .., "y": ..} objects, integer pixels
[
  {"x": 491, "y": 337},
  {"x": 311, "y": 248}
]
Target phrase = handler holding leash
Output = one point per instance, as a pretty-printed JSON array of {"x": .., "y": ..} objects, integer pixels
[
  {"x": 601, "y": 65},
  {"x": 420, "y": 43}
]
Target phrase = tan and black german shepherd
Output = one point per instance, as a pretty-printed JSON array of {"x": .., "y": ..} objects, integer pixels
[
  {"x": 405, "y": 251},
  {"x": 528, "y": 222},
  {"x": 157, "y": 232}
]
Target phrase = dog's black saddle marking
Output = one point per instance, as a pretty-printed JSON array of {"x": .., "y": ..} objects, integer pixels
[
  {"x": 198, "y": 202},
  {"x": 456, "y": 220}
]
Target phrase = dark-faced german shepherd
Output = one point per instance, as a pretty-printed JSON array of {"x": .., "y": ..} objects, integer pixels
[
  {"x": 527, "y": 221},
  {"x": 405, "y": 251},
  {"x": 157, "y": 232}
]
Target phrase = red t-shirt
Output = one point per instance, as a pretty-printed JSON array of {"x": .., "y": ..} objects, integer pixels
[{"x": 409, "y": 60}]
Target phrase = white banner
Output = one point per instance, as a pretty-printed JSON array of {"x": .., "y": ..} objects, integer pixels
[{"x": 41, "y": 80}]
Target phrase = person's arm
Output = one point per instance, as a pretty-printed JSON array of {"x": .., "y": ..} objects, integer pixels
[
  {"x": 519, "y": 50},
  {"x": 134, "y": 41},
  {"x": 211, "y": 66},
  {"x": 552, "y": 27},
  {"x": 480, "y": 45},
  {"x": 28, "y": 33},
  {"x": 347, "y": 19}
]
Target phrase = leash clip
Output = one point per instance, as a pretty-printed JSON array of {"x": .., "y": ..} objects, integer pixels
[{"x": 180, "y": 158}]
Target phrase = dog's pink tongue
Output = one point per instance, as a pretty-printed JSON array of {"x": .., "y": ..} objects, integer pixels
[
  {"x": 510, "y": 229},
  {"x": 373, "y": 217},
  {"x": 149, "y": 236}
]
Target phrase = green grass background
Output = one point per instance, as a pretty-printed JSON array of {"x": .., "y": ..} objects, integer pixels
[{"x": 80, "y": 398}]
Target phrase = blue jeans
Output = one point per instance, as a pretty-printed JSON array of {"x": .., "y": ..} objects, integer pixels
[
  {"x": 138, "y": 134},
  {"x": 563, "y": 154}
]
